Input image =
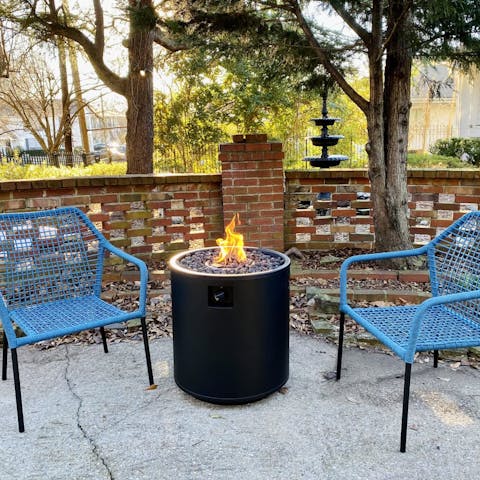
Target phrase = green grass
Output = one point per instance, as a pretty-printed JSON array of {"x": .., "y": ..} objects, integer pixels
[{"x": 11, "y": 171}]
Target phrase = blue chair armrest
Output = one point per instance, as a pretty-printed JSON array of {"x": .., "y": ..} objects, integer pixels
[
  {"x": 369, "y": 257},
  {"x": 431, "y": 302},
  {"x": 142, "y": 268}
]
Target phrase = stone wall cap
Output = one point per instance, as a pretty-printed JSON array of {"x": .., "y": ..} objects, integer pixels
[{"x": 249, "y": 138}]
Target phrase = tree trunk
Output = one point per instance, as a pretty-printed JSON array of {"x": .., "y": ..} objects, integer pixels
[
  {"x": 139, "y": 95},
  {"x": 66, "y": 117},
  {"x": 388, "y": 135},
  {"x": 395, "y": 233},
  {"x": 82, "y": 121}
]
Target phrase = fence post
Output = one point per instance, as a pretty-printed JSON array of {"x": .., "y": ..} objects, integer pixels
[
  {"x": 56, "y": 163},
  {"x": 253, "y": 186}
]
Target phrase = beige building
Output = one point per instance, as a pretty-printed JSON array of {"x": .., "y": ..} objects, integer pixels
[{"x": 445, "y": 104}]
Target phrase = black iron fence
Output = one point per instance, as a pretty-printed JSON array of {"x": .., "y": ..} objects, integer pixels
[
  {"x": 204, "y": 158},
  {"x": 296, "y": 149},
  {"x": 56, "y": 159},
  {"x": 187, "y": 159},
  {"x": 192, "y": 159}
]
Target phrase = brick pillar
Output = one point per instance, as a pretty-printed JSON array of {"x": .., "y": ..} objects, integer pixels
[{"x": 252, "y": 185}]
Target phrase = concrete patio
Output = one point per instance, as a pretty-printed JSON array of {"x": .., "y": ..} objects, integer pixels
[{"x": 89, "y": 416}]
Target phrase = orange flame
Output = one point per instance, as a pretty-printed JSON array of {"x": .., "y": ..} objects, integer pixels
[{"x": 231, "y": 248}]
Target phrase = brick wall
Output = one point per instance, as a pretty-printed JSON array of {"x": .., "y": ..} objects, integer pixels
[
  {"x": 149, "y": 216},
  {"x": 252, "y": 185},
  {"x": 331, "y": 208}
]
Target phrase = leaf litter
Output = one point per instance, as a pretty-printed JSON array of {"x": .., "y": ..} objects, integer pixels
[{"x": 124, "y": 294}]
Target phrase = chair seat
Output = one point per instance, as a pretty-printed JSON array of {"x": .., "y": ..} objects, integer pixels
[
  {"x": 62, "y": 317},
  {"x": 440, "y": 328}
]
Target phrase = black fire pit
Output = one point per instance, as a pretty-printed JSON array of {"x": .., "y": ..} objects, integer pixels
[{"x": 230, "y": 325}]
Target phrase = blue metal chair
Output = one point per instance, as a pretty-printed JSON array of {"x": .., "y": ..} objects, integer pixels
[
  {"x": 51, "y": 265},
  {"x": 449, "y": 319}
]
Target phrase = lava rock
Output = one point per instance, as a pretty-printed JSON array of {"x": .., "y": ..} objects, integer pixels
[{"x": 258, "y": 260}]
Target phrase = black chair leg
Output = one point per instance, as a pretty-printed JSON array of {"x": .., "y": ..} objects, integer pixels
[
  {"x": 435, "y": 358},
  {"x": 147, "y": 350},
  {"x": 104, "y": 339},
  {"x": 18, "y": 393},
  {"x": 4, "y": 357},
  {"x": 406, "y": 397},
  {"x": 340, "y": 345}
]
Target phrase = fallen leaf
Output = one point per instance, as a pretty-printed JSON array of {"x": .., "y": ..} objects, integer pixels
[
  {"x": 353, "y": 400},
  {"x": 381, "y": 303},
  {"x": 330, "y": 375},
  {"x": 152, "y": 387}
]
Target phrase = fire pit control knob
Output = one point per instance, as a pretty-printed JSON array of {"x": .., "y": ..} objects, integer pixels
[{"x": 220, "y": 296}]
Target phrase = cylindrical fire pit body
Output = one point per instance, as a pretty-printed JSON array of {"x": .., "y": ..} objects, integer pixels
[{"x": 230, "y": 331}]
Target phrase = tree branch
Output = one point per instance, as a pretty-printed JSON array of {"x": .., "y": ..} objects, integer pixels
[
  {"x": 99, "y": 27},
  {"x": 361, "y": 102},
  {"x": 287, "y": 6},
  {"x": 376, "y": 47},
  {"x": 363, "y": 34},
  {"x": 163, "y": 39},
  {"x": 112, "y": 80},
  {"x": 93, "y": 49},
  {"x": 399, "y": 21}
]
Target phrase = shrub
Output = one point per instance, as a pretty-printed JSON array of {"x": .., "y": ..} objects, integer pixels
[
  {"x": 456, "y": 147},
  {"x": 427, "y": 160}
]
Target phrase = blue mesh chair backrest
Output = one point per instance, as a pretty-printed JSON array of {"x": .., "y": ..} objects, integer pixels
[
  {"x": 47, "y": 256},
  {"x": 454, "y": 259}
]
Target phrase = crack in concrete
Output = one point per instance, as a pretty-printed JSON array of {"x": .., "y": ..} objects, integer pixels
[{"x": 90, "y": 439}]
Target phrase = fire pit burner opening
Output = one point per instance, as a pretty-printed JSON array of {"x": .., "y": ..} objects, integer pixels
[
  {"x": 258, "y": 260},
  {"x": 230, "y": 324}
]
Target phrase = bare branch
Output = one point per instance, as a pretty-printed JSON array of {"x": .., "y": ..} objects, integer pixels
[
  {"x": 377, "y": 34},
  {"x": 115, "y": 82},
  {"x": 361, "y": 102},
  {"x": 52, "y": 25}
]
